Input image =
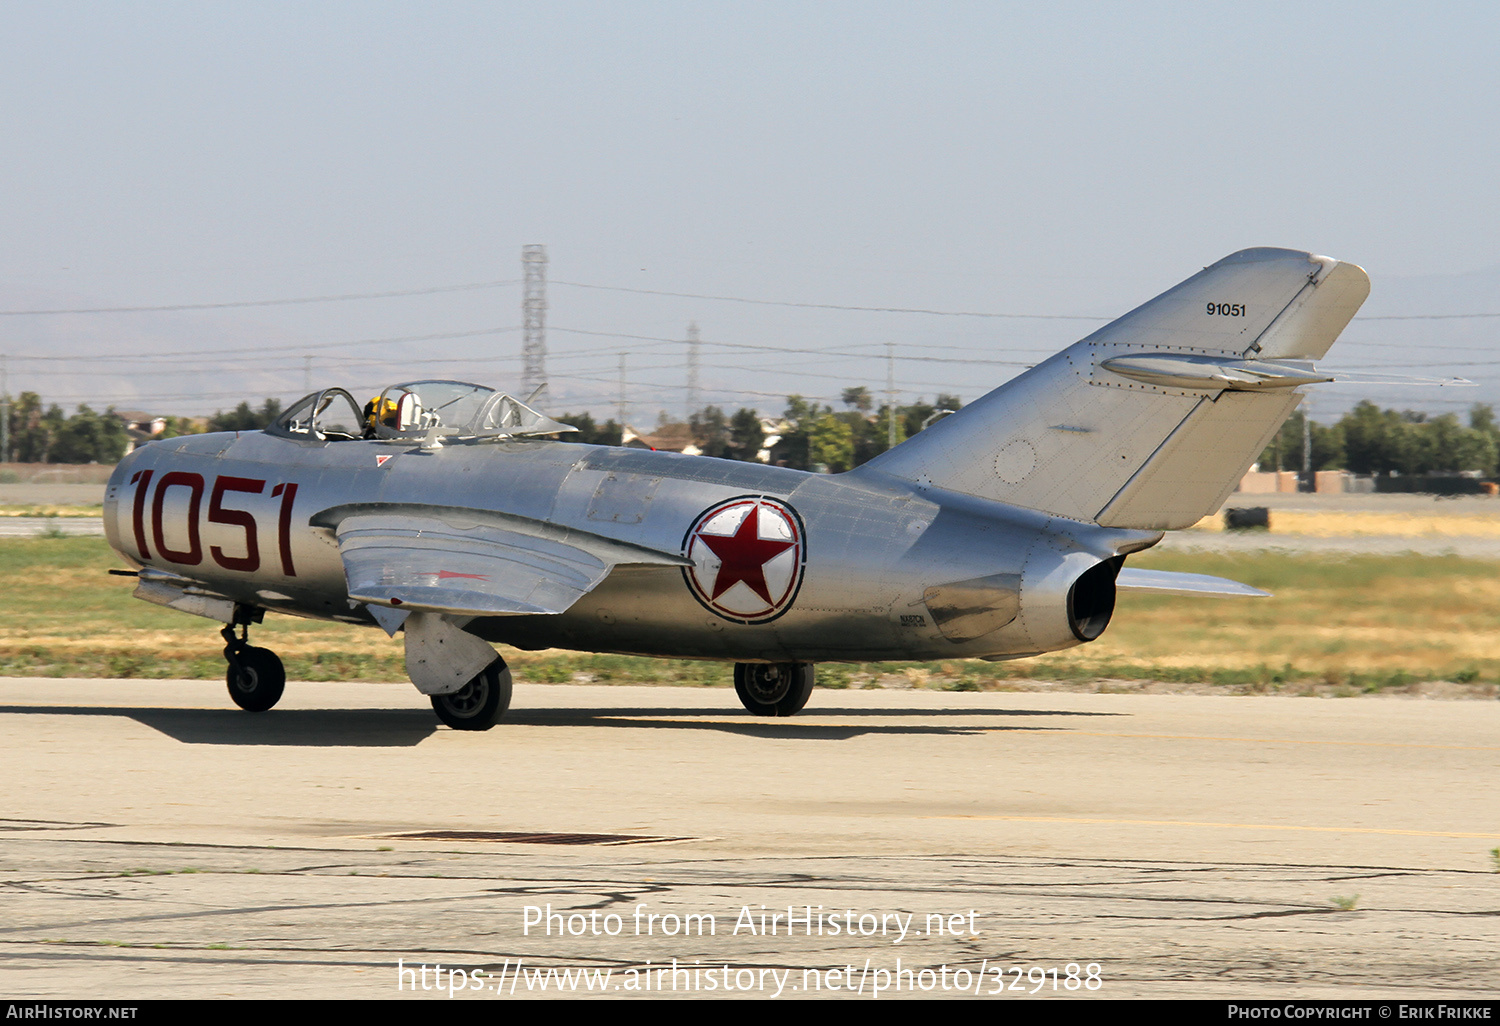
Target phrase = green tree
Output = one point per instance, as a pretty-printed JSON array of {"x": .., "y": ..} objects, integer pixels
[
  {"x": 244, "y": 417},
  {"x": 881, "y": 426},
  {"x": 1482, "y": 420},
  {"x": 857, "y": 398},
  {"x": 868, "y": 436},
  {"x": 1375, "y": 440},
  {"x": 1444, "y": 445},
  {"x": 1380, "y": 441},
  {"x": 793, "y": 450},
  {"x": 830, "y": 442},
  {"x": 49, "y": 431},
  {"x": 28, "y": 437},
  {"x": 178, "y": 426},
  {"x": 1285, "y": 449},
  {"x": 589, "y": 432},
  {"x": 745, "y": 435},
  {"x": 87, "y": 437},
  {"x": 797, "y": 409},
  {"x": 710, "y": 431}
]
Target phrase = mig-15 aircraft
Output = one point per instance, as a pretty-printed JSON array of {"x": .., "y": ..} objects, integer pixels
[{"x": 455, "y": 514}]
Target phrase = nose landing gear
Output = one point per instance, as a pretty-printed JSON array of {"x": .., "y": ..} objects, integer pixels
[
  {"x": 256, "y": 677},
  {"x": 479, "y": 703}
]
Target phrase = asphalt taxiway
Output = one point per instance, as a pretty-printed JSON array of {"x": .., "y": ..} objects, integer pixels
[{"x": 155, "y": 842}]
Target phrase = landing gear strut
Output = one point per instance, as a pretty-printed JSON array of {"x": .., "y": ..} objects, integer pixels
[
  {"x": 256, "y": 677},
  {"x": 773, "y": 689},
  {"x": 479, "y": 703}
]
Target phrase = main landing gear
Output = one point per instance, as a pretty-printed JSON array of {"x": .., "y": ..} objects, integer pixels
[
  {"x": 256, "y": 678},
  {"x": 773, "y": 689},
  {"x": 479, "y": 703}
]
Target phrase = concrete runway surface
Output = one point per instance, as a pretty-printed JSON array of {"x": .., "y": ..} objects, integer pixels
[
  {"x": 34, "y": 527},
  {"x": 157, "y": 843}
]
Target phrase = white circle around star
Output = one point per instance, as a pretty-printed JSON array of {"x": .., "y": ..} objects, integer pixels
[{"x": 748, "y": 555}]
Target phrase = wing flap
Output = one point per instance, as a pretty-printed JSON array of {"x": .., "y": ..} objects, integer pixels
[{"x": 472, "y": 562}]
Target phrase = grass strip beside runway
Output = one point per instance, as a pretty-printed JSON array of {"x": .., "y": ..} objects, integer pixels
[{"x": 1339, "y": 625}]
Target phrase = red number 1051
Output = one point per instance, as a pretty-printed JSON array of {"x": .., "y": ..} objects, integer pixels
[{"x": 218, "y": 513}]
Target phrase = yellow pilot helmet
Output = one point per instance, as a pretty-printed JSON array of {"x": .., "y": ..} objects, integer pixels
[{"x": 380, "y": 410}]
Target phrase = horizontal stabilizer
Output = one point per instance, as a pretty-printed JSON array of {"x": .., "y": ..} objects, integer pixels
[
  {"x": 1185, "y": 584},
  {"x": 1214, "y": 373},
  {"x": 472, "y": 562},
  {"x": 1379, "y": 378}
]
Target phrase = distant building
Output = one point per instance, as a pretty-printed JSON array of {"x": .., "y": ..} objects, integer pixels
[
  {"x": 771, "y": 430},
  {"x": 1268, "y": 481},
  {"x": 1324, "y": 481},
  {"x": 667, "y": 438},
  {"x": 140, "y": 427}
]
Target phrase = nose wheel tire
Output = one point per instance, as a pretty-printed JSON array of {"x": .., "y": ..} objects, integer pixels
[
  {"x": 479, "y": 703},
  {"x": 773, "y": 689},
  {"x": 256, "y": 679}
]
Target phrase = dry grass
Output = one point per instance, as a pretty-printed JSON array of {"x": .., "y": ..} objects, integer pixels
[
  {"x": 51, "y": 511},
  {"x": 1339, "y": 624},
  {"x": 1374, "y": 524},
  {"x": 1335, "y": 625},
  {"x": 1435, "y": 616}
]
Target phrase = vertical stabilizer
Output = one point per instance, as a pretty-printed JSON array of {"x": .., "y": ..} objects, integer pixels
[{"x": 1161, "y": 440}]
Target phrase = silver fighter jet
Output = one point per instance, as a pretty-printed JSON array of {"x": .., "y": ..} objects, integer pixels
[{"x": 453, "y": 514}]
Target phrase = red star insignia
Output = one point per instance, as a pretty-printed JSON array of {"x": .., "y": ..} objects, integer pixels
[
  {"x": 743, "y": 557},
  {"x": 769, "y": 568}
]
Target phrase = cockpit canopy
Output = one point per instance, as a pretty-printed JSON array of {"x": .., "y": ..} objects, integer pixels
[{"x": 423, "y": 411}]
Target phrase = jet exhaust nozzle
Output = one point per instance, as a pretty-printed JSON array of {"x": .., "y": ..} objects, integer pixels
[{"x": 1091, "y": 599}]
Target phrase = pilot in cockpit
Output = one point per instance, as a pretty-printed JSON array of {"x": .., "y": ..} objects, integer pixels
[{"x": 379, "y": 410}]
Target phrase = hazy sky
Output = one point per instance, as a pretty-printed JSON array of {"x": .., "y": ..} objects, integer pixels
[{"x": 1065, "y": 159}]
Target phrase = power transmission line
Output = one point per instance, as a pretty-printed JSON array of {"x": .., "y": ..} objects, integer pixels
[
  {"x": 298, "y": 348},
  {"x": 471, "y": 286},
  {"x": 1423, "y": 317},
  {"x": 259, "y": 302},
  {"x": 792, "y": 349},
  {"x": 834, "y": 306},
  {"x": 951, "y": 313}
]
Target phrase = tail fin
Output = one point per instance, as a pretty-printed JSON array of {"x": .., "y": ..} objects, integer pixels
[{"x": 1150, "y": 421}]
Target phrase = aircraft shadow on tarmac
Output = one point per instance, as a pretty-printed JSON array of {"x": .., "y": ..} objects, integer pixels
[
  {"x": 310, "y": 728},
  {"x": 400, "y": 728}
]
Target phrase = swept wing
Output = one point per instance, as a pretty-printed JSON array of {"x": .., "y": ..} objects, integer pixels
[{"x": 472, "y": 562}]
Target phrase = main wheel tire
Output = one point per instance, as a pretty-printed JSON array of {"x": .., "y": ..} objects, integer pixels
[
  {"x": 479, "y": 703},
  {"x": 258, "y": 681},
  {"x": 774, "y": 689}
]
